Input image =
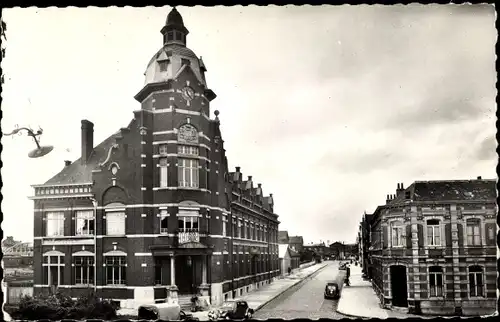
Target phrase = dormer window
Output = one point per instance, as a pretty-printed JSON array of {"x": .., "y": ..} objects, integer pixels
[
  {"x": 185, "y": 61},
  {"x": 163, "y": 65}
]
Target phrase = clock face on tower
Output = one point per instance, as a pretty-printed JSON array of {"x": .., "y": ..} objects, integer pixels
[{"x": 188, "y": 93}]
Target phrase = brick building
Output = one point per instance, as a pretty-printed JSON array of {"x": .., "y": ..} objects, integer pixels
[
  {"x": 433, "y": 247},
  {"x": 364, "y": 243},
  {"x": 296, "y": 243},
  {"x": 152, "y": 212}
]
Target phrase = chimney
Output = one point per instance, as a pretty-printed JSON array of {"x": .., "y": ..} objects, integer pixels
[
  {"x": 479, "y": 178},
  {"x": 388, "y": 199},
  {"x": 400, "y": 189},
  {"x": 67, "y": 163},
  {"x": 87, "y": 140},
  {"x": 249, "y": 178},
  {"x": 238, "y": 169}
]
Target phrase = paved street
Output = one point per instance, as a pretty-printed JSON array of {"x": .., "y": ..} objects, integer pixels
[{"x": 305, "y": 300}]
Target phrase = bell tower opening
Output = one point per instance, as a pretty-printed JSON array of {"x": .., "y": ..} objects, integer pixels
[{"x": 174, "y": 31}]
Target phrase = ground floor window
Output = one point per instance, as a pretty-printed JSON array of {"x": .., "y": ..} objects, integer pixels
[
  {"x": 476, "y": 285},
  {"x": 53, "y": 269},
  {"x": 436, "y": 281},
  {"x": 84, "y": 270},
  {"x": 116, "y": 267}
]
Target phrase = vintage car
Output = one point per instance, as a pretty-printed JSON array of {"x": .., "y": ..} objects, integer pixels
[
  {"x": 332, "y": 290},
  {"x": 164, "y": 311},
  {"x": 235, "y": 310}
]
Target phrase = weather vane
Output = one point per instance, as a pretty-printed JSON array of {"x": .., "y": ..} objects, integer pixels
[{"x": 40, "y": 151}]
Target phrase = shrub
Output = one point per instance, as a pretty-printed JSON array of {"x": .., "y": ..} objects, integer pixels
[{"x": 60, "y": 306}]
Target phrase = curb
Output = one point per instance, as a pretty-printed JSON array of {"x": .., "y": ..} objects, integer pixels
[{"x": 286, "y": 289}]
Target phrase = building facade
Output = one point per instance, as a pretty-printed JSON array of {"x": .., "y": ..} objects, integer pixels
[
  {"x": 433, "y": 248},
  {"x": 152, "y": 213},
  {"x": 364, "y": 244},
  {"x": 296, "y": 243}
]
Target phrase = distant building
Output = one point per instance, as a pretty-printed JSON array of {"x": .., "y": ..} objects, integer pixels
[
  {"x": 17, "y": 254},
  {"x": 296, "y": 243},
  {"x": 152, "y": 213},
  {"x": 433, "y": 247},
  {"x": 283, "y": 237},
  {"x": 364, "y": 244}
]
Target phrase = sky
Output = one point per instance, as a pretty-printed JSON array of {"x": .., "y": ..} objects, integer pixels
[{"x": 329, "y": 107}]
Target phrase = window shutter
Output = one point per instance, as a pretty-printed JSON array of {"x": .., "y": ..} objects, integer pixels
[
  {"x": 385, "y": 237},
  {"x": 447, "y": 234},
  {"x": 420, "y": 235},
  {"x": 460, "y": 235},
  {"x": 408, "y": 236}
]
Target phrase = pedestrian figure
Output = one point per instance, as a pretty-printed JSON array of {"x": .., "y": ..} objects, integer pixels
[{"x": 289, "y": 270}]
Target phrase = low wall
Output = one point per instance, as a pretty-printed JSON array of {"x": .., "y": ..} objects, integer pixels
[
  {"x": 15, "y": 293},
  {"x": 306, "y": 265}
]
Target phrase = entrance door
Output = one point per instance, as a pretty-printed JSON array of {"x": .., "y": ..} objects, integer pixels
[
  {"x": 399, "y": 286},
  {"x": 184, "y": 268}
]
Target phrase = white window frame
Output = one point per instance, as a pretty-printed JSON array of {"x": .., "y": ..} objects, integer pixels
[
  {"x": 191, "y": 167},
  {"x": 122, "y": 221},
  {"x": 163, "y": 165},
  {"x": 58, "y": 219},
  {"x": 162, "y": 149},
  {"x": 438, "y": 289},
  {"x": 224, "y": 226},
  {"x": 477, "y": 224},
  {"x": 475, "y": 291},
  {"x": 87, "y": 216},
  {"x": 239, "y": 228},
  {"x": 84, "y": 268},
  {"x": 188, "y": 150},
  {"x": 434, "y": 239},
  {"x": 163, "y": 215},
  {"x": 122, "y": 267},
  {"x": 398, "y": 227},
  {"x": 59, "y": 264},
  {"x": 191, "y": 219}
]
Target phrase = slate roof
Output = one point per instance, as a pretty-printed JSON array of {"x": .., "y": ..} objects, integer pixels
[
  {"x": 77, "y": 172},
  {"x": 296, "y": 240},
  {"x": 451, "y": 190},
  {"x": 283, "y": 237}
]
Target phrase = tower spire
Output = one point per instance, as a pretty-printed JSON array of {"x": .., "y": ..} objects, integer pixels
[{"x": 174, "y": 31}]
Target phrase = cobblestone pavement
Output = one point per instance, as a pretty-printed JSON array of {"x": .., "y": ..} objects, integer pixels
[{"x": 305, "y": 300}]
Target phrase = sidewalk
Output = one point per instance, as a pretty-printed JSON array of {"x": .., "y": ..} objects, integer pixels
[
  {"x": 361, "y": 291},
  {"x": 265, "y": 294}
]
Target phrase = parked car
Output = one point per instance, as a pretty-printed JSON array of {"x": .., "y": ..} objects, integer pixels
[
  {"x": 332, "y": 291},
  {"x": 236, "y": 310},
  {"x": 164, "y": 311}
]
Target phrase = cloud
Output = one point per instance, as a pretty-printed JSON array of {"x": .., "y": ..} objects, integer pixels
[{"x": 487, "y": 149}]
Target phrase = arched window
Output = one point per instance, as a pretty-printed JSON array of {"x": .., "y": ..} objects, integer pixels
[
  {"x": 476, "y": 285},
  {"x": 436, "y": 281}
]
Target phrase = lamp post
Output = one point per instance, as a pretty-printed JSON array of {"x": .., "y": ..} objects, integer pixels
[{"x": 40, "y": 151}]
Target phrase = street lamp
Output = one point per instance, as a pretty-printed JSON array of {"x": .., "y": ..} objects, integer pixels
[{"x": 40, "y": 151}]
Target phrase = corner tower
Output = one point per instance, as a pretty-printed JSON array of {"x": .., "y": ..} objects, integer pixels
[{"x": 166, "y": 68}]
